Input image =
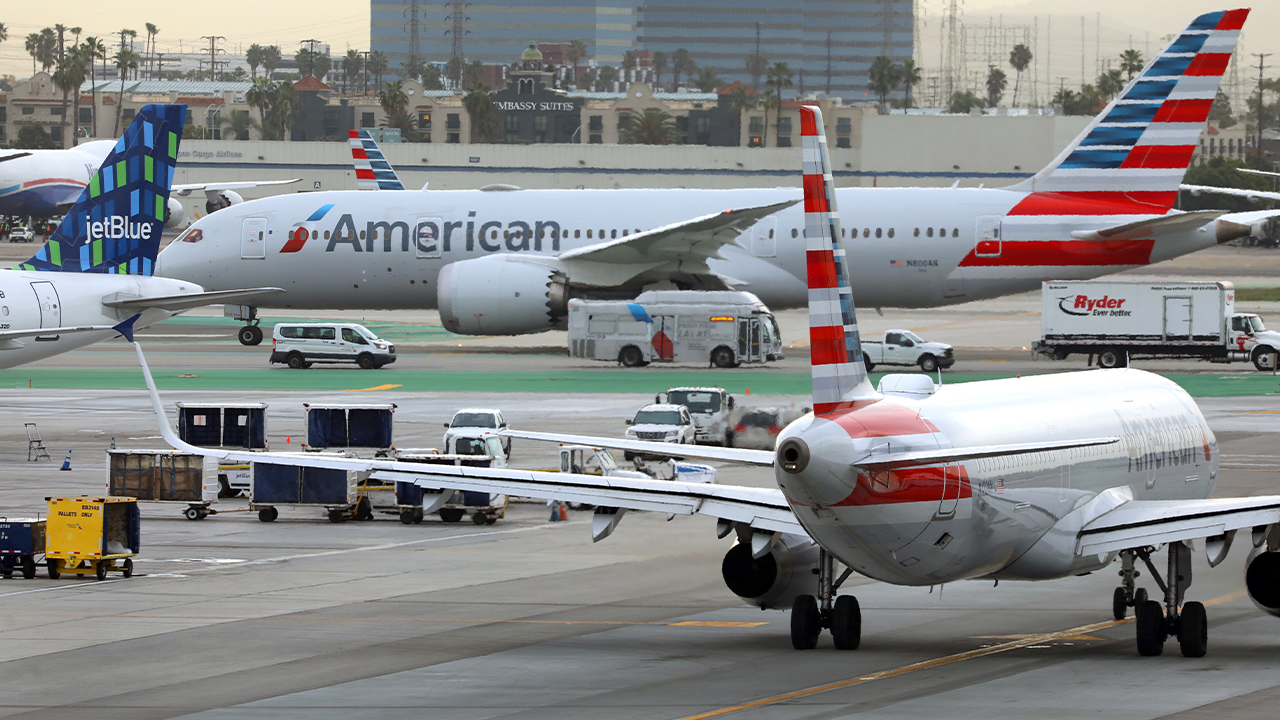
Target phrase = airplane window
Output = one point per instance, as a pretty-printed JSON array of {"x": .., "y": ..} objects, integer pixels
[
  {"x": 362, "y": 234},
  {"x": 770, "y": 233},
  {"x": 315, "y": 234},
  {"x": 844, "y": 232},
  {"x": 877, "y": 232},
  {"x": 955, "y": 232},
  {"x": 613, "y": 234},
  {"x": 890, "y": 232},
  {"x": 588, "y": 233},
  {"x": 373, "y": 234},
  {"x": 928, "y": 231},
  {"x": 577, "y": 233},
  {"x": 625, "y": 232},
  {"x": 4, "y": 310},
  {"x": 996, "y": 233},
  {"x": 602, "y": 234},
  {"x": 326, "y": 234},
  {"x": 917, "y": 233},
  {"x": 793, "y": 232}
]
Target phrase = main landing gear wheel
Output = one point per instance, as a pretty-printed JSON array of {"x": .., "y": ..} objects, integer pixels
[
  {"x": 846, "y": 623},
  {"x": 250, "y": 335},
  {"x": 1193, "y": 630},
  {"x": 806, "y": 623},
  {"x": 1150, "y": 625},
  {"x": 1155, "y": 624}
]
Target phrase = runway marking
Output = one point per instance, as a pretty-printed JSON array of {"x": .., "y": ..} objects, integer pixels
[
  {"x": 312, "y": 618},
  {"x": 1080, "y": 638},
  {"x": 716, "y": 624},
  {"x": 1022, "y": 642},
  {"x": 376, "y": 387}
]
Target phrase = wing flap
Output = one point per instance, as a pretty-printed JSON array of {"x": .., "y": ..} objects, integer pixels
[
  {"x": 1139, "y": 523},
  {"x": 684, "y": 452},
  {"x": 186, "y": 301}
]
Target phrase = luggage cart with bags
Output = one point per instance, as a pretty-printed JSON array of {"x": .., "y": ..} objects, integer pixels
[{"x": 238, "y": 426}]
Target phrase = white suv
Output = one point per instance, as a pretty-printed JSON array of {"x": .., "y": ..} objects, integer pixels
[
  {"x": 300, "y": 345},
  {"x": 21, "y": 234},
  {"x": 662, "y": 423},
  {"x": 476, "y": 423}
]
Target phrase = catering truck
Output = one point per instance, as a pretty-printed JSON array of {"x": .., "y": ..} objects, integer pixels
[
  {"x": 722, "y": 328},
  {"x": 1115, "y": 322}
]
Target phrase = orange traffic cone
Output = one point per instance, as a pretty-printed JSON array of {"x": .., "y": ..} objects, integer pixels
[{"x": 564, "y": 511}]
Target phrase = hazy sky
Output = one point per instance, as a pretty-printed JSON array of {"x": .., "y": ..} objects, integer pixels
[{"x": 345, "y": 23}]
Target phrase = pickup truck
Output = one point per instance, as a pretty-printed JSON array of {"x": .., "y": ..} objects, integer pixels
[{"x": 903, "y": 347}]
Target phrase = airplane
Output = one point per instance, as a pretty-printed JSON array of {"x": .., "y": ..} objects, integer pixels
[
  {"x": 499, "y": 263},
  {"x": 373, "y": 172},
  {"x": 1028, "y": 478},
  {"x": 93, "y": 279},
  {"x": 44, "y": 183}
]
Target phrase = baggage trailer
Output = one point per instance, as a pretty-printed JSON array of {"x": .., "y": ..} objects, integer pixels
[
  {"x": 351, "y": 427},
  {"x": 415, "y": 501},
  {"x": 337, "y": 492},
  {"x": 1115, "y": 322},
  {"x": 92, "y": 536},
  {"x": 21, "y": 541},
  {"x": 239, "y": 426},
  {"x": 164, "y": 476}
]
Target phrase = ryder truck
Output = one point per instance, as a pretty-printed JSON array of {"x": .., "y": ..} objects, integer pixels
[{"x": 1115, "y": 322}]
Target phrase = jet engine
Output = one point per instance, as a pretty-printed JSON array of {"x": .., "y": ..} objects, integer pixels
[
  {"x": 1262, "y": 580},
  {"x": 174, "y": 214},
  {"x": 502, "y": 295},
  {"x": 216, "y": 200},
  {"x": 775, "y": 579}
]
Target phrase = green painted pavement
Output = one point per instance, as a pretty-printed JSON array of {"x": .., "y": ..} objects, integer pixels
[
  {"x": 394, "y": 331},
  {"x": 566, "y": 381}
]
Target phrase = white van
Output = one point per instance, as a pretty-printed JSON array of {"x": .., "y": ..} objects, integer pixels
[{"x": 300, "y": 345}]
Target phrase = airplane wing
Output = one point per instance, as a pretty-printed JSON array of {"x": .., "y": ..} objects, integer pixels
[
  {"x": 763, "y": 509},
  {"x": 1238, "y": 192},
  {"x": 1151, "y": 227},
  {"x": 7, "y": 337},
  {"x": 1139, "y": 523},
  {"x": 14, "y": 156},
  {"x": 186, "y": 189},
  {"x": 1263, "y": 173},
  {"x": 684, "y": 452},
  {"x": 700, "y": 237},
  {"x": 187, "y": 301}
]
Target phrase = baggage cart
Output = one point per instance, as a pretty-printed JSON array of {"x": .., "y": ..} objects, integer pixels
[
  {"x": 22, "y": 544},
  {"x": 241, "y": 426},
  {"x": 338, "y": 492},
  {"x": 164, "y": 476},
  {"x": 92, "y": 536},
  {"x": 414, "y": 501},
  {"x": 351, "y": 427}
]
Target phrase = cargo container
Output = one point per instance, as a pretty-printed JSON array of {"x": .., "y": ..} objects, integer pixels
[
  {"x": 351, "y": 427},
  {"x": 338, "y": 492},
  {"x": 22, "y": 545},
  {"x": 92, "y": 536},
  {"x": 242, "y": 426},
  {"x": 164, "y": 476}
]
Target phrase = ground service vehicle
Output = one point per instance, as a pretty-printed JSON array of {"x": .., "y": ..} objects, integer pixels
[
  {"x": 302, "y": 345},
  {"x": 709, "y": 409},
  {"x": 661, "y": 423},
  {"x": 903, "y": 347},
  {"x": 22, "y": 234},
  {"x": 1116, "y": 322},
  {"x": 476, "y": 423},
  {"x": 92, "y": 536},
  {"x": 723, "y": 328}
]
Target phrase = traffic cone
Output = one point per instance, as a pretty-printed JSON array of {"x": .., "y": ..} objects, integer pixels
[
  {"x": 66, "y": 464},
  {"x": 564, "y": 511}
]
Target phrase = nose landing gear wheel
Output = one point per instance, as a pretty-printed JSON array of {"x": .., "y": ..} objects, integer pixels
[
  {"x": 806, "y": 623},
  {"x": 846, "y": 623}
]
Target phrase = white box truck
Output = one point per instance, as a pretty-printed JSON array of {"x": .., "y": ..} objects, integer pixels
[
  {"x": 723, "y": 328},
  {"x": 1115, "y": 322}
]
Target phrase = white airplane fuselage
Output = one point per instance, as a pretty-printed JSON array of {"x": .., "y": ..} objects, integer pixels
[
  {"x": 915, "y": 247},
  {"x": 44, "y": 182},
  {"x": 1014, "y": 517}
]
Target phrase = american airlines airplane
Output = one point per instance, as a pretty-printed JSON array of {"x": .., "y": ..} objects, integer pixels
[
  {"x": 93, "y": 279},
  {"x": 1031, "y": 478},
  {"x": 500, "y": 262},
  {"x": 44, "y": 183}
]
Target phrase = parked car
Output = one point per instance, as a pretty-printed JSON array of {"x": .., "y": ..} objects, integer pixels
[
  {"x": 709, "y": 407},
  {"x": 661, "y": 423},
  {"x": 476, "y": 423},
  {"x": 903, "y": 347},
  {"x": 300, "y": 345},
  {"x": 21, "y": 234}
]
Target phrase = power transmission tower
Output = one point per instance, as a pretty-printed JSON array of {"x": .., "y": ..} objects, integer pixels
[
  {"x": 1261, "y": 69},
  {"x": 214, "y": 52},
  {"x": 458, "y": 31},
  {"x": 412, "y": 24},
  {"x": 311, "y": 55},
  {"x": 952, "y": 64}
]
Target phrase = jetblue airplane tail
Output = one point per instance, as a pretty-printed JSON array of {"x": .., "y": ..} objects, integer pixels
[
  {"x": 373, "y": 172},
  {"x": 116, "y": 224},
  {"x": 839, "y": 373},
  {"x": 1131, "y": 159}
]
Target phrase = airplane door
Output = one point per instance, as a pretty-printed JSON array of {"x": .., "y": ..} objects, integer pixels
[
  {"x": 664, "y": 329},
  {"x": 1177, "y": 318},
  {"x": 950, "y": 492},
  {"x": 763, "y": 240},
  {"x": 987, "y": 236},
  {"x": 427, "y": 237},
  {"x": 50, "y": 308},
  {"x": 253, "y": 239}
]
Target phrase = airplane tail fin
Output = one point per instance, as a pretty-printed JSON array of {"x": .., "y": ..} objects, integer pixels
[
  {"x": 839, "y": 373},
  {"x": 1132, "y": 157},
  {"x": 116, "y": 224},
  {"x": 373, "y": 172}
]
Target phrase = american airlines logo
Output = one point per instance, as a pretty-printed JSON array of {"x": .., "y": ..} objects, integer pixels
[
  {"x": 116, "y": 227},
  {"x": 427, "y": 235},
  {"x": 1083, "y": 305}
]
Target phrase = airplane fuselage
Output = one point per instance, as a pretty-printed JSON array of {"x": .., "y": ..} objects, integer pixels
[
  {"x": 1012, "y": 517},
  {"x": 915, "y": 247},
  {"x": 44, "y": 182}
]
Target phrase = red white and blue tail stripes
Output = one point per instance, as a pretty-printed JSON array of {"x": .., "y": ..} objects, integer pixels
[
  {"x": 1133, "y": 156},
  {"x": 839, "y": 375},
  {"x": 373, "y": 172}
]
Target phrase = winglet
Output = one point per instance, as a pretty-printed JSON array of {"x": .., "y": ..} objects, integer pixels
[
  {"x": 839, "y": 375},
  {"x": 373, "y": 172},
  {"x": 166, "y": 430},
  {"x": 115, "y": 225},
  {"x": 126, "y": 328}
]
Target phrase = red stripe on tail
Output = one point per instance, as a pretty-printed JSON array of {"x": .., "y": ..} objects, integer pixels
[
  {"x": 807, "y": 125},
  {"x": 1183, "y": 111},
  {"x": 822, "y": 269},
  {"x": 1208, "y": 65},
  {"x": 1233, "y": 19},
  {"x": 815, "y": 193},
  {"x": 1168, "y": 157}
]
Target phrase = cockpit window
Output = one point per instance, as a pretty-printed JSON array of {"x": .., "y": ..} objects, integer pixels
[{"x": 191, "y": 235}]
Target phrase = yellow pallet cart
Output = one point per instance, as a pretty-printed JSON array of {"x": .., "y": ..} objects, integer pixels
[{"x": 92, "y": 535}]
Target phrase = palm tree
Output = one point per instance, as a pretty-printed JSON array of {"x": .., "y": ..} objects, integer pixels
[
  {"x": 125, "y": 60},
  {"x": 133, "y": 34},
  {"x": 605, "y": 78},
  {"x": 150, "y": 49},
  {"x": 93, "y": 49},
  {"x": 629, "y": 63},
  {"x": 352, "y": 64},
  {"x": 76, "y": 31},
  {"x": 33, "y": 49},
  {"x": 392, "y": 97},
  {"x": 882, "y": 79},
  {"x": 412, "y": 68},
  {"x": 259, "y": 96},
  {"x": 486, "y": 120},
  {"x": 66, "y": 80},
  {"x": 253, "y": 56},
  {"x": 1131, "y": 62},
  {"x": 757, "y": 65},
  {"x": 270, "y": 59},
  {"x": 996, "y": 83},
  {"x": 237, "y": 125},
  {"x": 681, "y": 64},
  {"x": 653, "y": 127},
  {"x": 708, "y": 79},
  {"x": 769, "y": 100},
  {"x": 738, "y": 102},
  {"x": 377, "y": 64},
  {"x": 61, "y": 30},
  {"x": 475, "y": 72},
  {"x": 910, "y": 75},
  {"x": 282, "y": 109},
  {"x": 1020, "y": 59},
  {"x": 4, "y": 32},
  {"x": 1110, "y": 83},
  {"x": 454, "y": 70},
  {"x": 659, "y": 64},
  {"x": 575, "y": 53}
]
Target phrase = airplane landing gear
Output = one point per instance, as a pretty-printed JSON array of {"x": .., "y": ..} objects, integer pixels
[
  {"x": 250, "y": 334},
  {"x": 1155, "y": 624},
  {"x": 1126, "y": 596},
  {"x": 810, "y": 615}
]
